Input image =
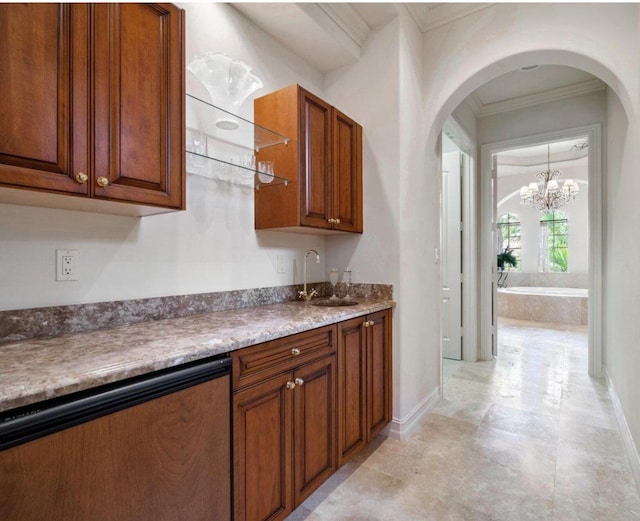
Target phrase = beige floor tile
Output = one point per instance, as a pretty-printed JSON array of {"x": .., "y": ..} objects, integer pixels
[{"x": 528, "y": 436}]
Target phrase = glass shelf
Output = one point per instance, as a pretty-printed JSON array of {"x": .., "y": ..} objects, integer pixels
[
  {"x": 227, "y": 154},
  {"x": 231, "y": 172},
  {"x": 247, "y": 134}
]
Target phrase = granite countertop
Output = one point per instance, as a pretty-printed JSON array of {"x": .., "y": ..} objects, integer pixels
[{"x": 35, "y": 370}]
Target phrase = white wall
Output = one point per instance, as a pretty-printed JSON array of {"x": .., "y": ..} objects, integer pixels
[
  {"x": 622, "y": 250},
  {"x": 382, "y": 91},
  {"x": 210, "y": 247}
]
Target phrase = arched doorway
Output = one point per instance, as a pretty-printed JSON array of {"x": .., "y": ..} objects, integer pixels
[{"x": 483, "y": 297}]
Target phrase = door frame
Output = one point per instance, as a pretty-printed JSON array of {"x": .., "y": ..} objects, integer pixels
[{"x": 595, "y": 205}]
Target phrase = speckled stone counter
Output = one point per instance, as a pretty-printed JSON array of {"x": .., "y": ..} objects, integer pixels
[{"x": 39, "y": 369}]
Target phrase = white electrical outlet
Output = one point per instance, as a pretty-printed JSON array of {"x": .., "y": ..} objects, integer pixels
[
  {"x": 280, "y": 264},
  {"x": 66, "y": 265}
]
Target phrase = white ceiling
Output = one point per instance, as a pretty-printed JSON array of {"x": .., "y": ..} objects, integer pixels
[
  {"x": 523, "y": 88},
  {"x": 331, "y": 35},
  {"x": 572, "y": 152}
]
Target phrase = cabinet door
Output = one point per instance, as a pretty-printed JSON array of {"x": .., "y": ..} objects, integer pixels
[
  {"x": 314, "y": 426},
  {"x": 164, "y": 460},
  {"x": 44, "y": 93},
  {"x": 352, "y": 389},
  {"x": 315, "y": 161},
  {"x": 262, "y": 450},
  {"x": 139, "y": 103},
  {"x": 379, "y": 372},
  {"x": 347, "y": 174}
]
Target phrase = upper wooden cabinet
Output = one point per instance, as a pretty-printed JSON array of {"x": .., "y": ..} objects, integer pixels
[
  {"x": 323, "y": 161},
  {"x": 92, "y": 105}
]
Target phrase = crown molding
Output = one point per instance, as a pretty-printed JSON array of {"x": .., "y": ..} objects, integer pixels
[
  {"x": 431, "y": 16},
  {"x": 474, "y": 103},
  {"x": 349, "y": 21},
  {"x": 538, "y": 98}
]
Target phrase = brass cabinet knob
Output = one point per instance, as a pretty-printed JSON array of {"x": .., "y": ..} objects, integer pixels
[
  {"x": 81, "y": 178},
  {"x": 102, "y": 181},
  {"x": 299, "y": 381},
  {"x": 295, "y": 351},
  {"x": 336, "y": 221},
  {"x": 367, "y": 323},
  {"x": 290, "y": 385}
]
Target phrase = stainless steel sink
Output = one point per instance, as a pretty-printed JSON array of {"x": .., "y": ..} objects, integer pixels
[{"x": 333, "y": 302}]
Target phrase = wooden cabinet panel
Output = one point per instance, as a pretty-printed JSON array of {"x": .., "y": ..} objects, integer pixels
[
  {"x": 162, "y": 460},
  {"x": 139, "y": 102},
  {"x": 323, "y": 163},
  {"x": 262, "y": 451},
  {"x": 378, "y": 372},
  {"x": 44, "y": 96},
  {"x": 314, "y": 426},
  {"x": 254, "y": 364},
  {"x": 94, "y": 97},
  {"x": 352, "y": 389},
  {"x": 315, "y": 160},
  {"x": 364, "y": 381},
  {"x": 347, "y": 173}
]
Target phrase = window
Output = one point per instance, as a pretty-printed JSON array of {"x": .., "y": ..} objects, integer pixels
[
  {"x": 554, "y": 242},
  {"x": 509, "y": 236}
]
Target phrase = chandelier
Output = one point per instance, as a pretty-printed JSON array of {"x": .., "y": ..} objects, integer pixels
[{"x": 549, "y": 194}]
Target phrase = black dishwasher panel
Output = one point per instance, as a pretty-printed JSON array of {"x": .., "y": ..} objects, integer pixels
[{"x": 30, "y": 422}]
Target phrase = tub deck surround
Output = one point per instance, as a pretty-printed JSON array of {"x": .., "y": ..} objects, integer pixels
[
  {"x": 40, "y": 369},
  {"x": 551, "y": 305}
]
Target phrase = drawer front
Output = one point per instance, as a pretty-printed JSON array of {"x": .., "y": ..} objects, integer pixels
[{"x": 254, "y": 364}]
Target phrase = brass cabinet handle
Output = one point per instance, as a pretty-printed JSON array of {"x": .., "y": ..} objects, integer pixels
[
  {"x": 81, "y": 178},
  {"x": 102, "y": 181},
  {"x": 295, "y": 351},
  {"x": 299, "y": 381},
  {"x": 290, "y": 385}
]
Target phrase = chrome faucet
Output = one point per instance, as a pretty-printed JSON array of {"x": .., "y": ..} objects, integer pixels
[{"x": 303, "y": 294}]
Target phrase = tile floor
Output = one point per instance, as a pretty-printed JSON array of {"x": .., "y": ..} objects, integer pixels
[{"x": 529, "y": 436}]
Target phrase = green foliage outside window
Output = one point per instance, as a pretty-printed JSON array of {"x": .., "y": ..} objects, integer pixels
[
  {"x": 509, "y": 241},
  {"x": 554, "y": 242}
]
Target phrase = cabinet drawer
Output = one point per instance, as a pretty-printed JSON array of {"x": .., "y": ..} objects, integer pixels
[{"x": 254, "y": 364}]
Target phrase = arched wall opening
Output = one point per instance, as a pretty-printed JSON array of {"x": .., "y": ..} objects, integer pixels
[{"x": 448, "y": 103}]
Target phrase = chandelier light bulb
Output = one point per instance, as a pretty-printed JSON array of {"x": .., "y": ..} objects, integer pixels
[{"x": 549, "y": 193}]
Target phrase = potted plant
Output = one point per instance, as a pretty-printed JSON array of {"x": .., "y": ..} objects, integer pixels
[{"x": 506, "y": 257}]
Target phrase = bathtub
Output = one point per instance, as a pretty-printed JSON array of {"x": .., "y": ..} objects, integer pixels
[{"x": 544, "y": 304}]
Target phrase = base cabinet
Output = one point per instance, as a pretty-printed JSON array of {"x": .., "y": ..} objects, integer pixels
[
  {"x": 302, "y": 406},
  {"x": 284, "y": 423},
  {"x": 364, "y": 381}
]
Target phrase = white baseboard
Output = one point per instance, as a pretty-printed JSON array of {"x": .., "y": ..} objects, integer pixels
[
  {"x": 401, "y": 428},
  {"x": 627, "y": 440}
]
